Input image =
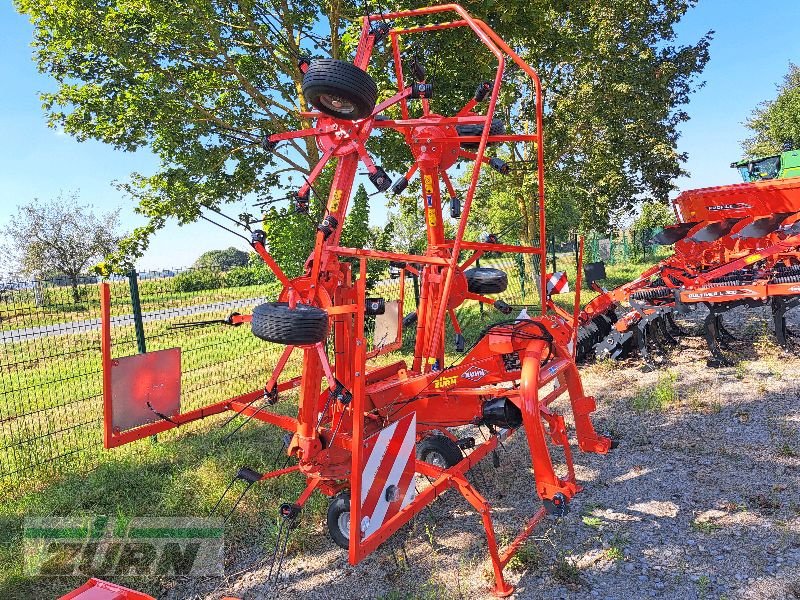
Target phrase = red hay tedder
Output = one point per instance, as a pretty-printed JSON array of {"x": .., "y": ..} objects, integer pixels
[{"x": 363, "y": 433}]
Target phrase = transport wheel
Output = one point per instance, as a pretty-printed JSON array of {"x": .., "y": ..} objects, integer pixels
[
  {"x": 439, "y": 451},
  {"x": 339, "y": 89},
  {"x": 339, "y": 520},
  {"x": 276, "y": 322},
  {"x": 496, "y": 128},
  {"x": 484, "y": 280}
]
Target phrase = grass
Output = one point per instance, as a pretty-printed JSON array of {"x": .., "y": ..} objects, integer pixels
[
  {"x": 50, "y": 429},
  {"x": 659, "y": 397},
  {"x": 566, "y": 572},
  {"x": 593, "y": 522},
  {"x": 528, "y": 558}
]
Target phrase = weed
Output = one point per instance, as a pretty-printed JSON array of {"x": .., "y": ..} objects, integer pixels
[
  {"x": 566, "y": 572},
  {"x": 705, "y": 526},
  {"x": 787, "y": 451},
  {"x": 614, "y": 554},
  {"x": 593, "y": 522},
  {"x": 703, "y": 585},
  {"x": 528, "y": 556},
  {"x": 659, "y": 397},
  {"x": 741, "y": 370}
]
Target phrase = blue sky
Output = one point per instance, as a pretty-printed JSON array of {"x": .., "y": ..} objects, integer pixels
[{"x": 751, "y": 51}]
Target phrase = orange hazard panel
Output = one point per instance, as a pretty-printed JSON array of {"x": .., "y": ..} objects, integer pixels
[{"x": 97, "y": 589}]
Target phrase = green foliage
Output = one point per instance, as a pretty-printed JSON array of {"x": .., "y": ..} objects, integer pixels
[
  {"x": 59, "y": 237},
  {"x": 196, "y": 280},
  {"x": 653, "y": 217},
  {"x": 659, "y": 397},
  {"x": 775, "y": 122},
  {"x": 222, "y": 260},
  {"x": 356, "y": 233},
  {"x": 200, "y": 84},
  {"x": 255, "y": 272}
]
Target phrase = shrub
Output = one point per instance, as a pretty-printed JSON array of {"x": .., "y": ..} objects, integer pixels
[{"x": 196, "y": 280}]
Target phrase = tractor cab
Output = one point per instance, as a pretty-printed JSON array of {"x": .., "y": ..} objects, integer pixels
[{"x": 779, "y": 166}]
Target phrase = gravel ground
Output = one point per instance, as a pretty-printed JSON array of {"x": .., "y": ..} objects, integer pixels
[{"x": 700, "y": 500}]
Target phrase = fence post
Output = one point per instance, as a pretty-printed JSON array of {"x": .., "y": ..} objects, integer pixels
[
  {"x": 553, "y": 244},
  {"x": 521, "y": 270},
  {"x": 480, "y": 304},
  {"x": 136, "y": 305}
]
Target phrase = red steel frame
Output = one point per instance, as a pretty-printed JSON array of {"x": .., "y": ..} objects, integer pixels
[{"x": 440, "y": 397}]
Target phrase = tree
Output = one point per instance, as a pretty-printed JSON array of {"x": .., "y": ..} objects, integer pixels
[
  {"x": 222, "y": 260},
  {"x": 653, "y": 217},
  {"x": 60, "y": 237},
  {"x": 776, "y": 122},
  {"x": 202, "y": 83}
]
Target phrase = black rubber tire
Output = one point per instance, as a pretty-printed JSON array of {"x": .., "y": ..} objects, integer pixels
[
  {"x": 328, "y": 77},
  {"x": 440, "y": 451},
  {"x": 276, "y": 322},
  {"x": 496, "y": 128},
  {"x": 485, "y": 280},
  {"x": 339, "y": 520}
]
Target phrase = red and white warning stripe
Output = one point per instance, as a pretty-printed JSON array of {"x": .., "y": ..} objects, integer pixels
[
  {"x": 557, "y": 283},
  {"x": 387, "y": 478}
]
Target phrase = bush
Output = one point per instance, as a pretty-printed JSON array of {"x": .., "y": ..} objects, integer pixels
[
  {"x": 196, "y": 280},
  {"x": 252, "y": 274}
]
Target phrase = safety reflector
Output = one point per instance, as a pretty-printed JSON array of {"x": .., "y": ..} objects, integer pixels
[
  {"x": 387, "y": 479},
  {"x": 557, "y": 283}
]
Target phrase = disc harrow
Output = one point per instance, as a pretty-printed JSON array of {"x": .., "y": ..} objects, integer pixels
[{"x": 736, "y": 245}]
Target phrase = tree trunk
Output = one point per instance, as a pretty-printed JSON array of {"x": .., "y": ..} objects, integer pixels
[{"x": 76, "y": 297}]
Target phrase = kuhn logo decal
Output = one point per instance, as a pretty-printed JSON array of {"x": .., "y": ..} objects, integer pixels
[
  {"x": 474, "y": 373},
  {"x": 737, "y": 206},
  {"x": 719, "y": 293}
]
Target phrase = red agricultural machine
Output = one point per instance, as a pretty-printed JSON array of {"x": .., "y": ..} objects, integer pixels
[
  {"x": 362, "y": 432},
  {"x": 736, "y": 245}
]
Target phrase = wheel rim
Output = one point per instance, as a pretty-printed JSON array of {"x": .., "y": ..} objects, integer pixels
[
  {"x": 337, "y": 104},
  {"x": 343, "y": 522},
  {"x": 436, "y": 459}
]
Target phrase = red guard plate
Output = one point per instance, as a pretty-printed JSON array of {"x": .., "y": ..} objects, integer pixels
[{"x": 153, "y": 377}]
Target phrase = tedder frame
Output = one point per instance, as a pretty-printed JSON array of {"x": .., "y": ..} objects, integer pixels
[{"x": 358, "y": 425}]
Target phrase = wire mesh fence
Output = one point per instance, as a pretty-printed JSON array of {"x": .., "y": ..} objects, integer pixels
[{"x": 51, "y": 404}]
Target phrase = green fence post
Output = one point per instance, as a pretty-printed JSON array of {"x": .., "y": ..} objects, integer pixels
[
  {"x": 521, "y": 272},
  {"x": 136, "y": 305}
]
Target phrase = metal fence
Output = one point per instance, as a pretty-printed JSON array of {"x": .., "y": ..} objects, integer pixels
[
  {"x": 51, "y": 405},
  {"x": 50, "y": 373}
]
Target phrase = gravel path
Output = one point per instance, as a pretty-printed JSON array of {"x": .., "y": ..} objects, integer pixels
[{"x": 700, "y": 500}]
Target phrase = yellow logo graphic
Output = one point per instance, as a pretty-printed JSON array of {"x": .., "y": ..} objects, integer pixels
[
  {"x": 431, "y": 217},
  {"x": 445, "y": 382},
  {"x": 428, "y": 184},
  {"x": 337, "y": 199}
]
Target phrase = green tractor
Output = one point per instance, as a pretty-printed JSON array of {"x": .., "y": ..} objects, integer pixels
[{"x": 781, "y": 166}]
